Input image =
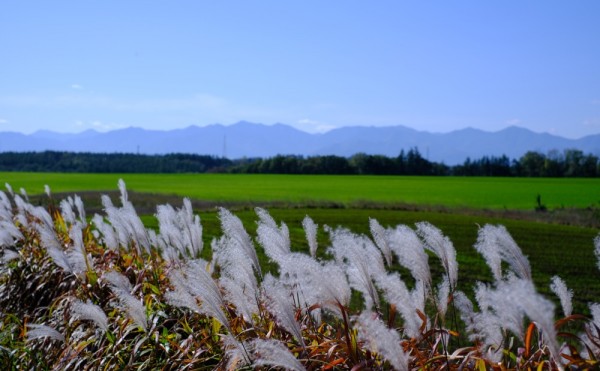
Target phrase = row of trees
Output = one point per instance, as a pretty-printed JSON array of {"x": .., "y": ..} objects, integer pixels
[
  {"x": 76, "y": 162},
  {"x": 569, "y": 163}
]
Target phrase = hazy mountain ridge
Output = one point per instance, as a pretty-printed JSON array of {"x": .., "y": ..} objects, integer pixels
[{"x": 246, "y": 139}]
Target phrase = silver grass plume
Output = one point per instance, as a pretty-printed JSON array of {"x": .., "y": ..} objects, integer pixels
[
  {"x": 381, "y": 240},
  {"x": 273, "y": 238},
  {"x": 441, "y": 246},
  {"x": 108, "y": 234},
  {"x": 361, "y": 260},
  {"x": 280, "y": 304},
  {"x": 497, "y": 245},
  {"x": 507, "y": 304},
  {"x": 89, "y": 311},
  {"x": 24, "y": 194},
  {"x": 271, "y": 352},
  {"x": 180, "y": 228},
  {"x": 8, "y": 255},
  {"x": 35, "y": 331},
  {"x": 559, "y": 287},
  {"x": 382, "y": 340},
  {"x": 78, "y": 256},
  {"x": 9, "y": 189},
  {"x": 126, "y": 222},
  {"x": 5, "y": 207},
  {"x": 235, "y": 352},
  {"x": 9, "y": 233},
  {"x": 117, "y": 281},
  {"x": 237, "y": 277},
  {"x": 54, "y": 249},
  {"x": 315, "y": 283},
  {"x": 234, "y": 231},
  {"x": 66, "y": 211},
  {"x": 121, "y": 287},
  {"x": 135, "y": 309},
  {"x": 193, "y": 281},
  {"x": 310, "y": 229},
  {"x": 409, "y": 250},
  {"x": 47, "y": 190},
  {"x": 406, "y": 303},
  {"x": 443, "y": 293}
]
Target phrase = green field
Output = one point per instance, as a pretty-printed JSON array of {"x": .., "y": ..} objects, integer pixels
[{"x": 469, "y": 192}]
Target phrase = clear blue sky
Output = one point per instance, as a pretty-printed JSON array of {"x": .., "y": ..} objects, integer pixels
[{"x": 431, "y": 65}]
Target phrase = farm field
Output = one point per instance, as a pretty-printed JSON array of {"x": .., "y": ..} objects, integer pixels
[{"x": 469, "y": 192}]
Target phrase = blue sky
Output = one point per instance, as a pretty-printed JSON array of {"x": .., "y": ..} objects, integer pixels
[{"x": 431, "y": 65}]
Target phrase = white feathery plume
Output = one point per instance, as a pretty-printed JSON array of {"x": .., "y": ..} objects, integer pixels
[
  {"x": 441, "y": 246},
  {"x": 66, "y": 210},
  {"x": 5, "y": 207},
  {"x": 117, "y": 281},
  {"x": 194, "y": 280},
  {"x": 234, "y": 231},
  {"x": 538, "y": 310},
  {"x": 135, "y": 309},
  {"x": 9, "y": 189},
  {"x": 35, "y": 331},
  {"x": 559, "y": 287},
  {"x": 180, "y": 297},
  {"x": 310, "y": 229},
  {"x": 409, "y": 250},
  {"x": 80, "y": 209},
  {"x": 443, "y": 292},
  {"x": 381, "y": 240},
  {"x": 280, "y": 304},
  {"x": 507, "y": 304},
  {"x": 126, "y": 222},
  {"x": 361, "y": 260},
  {"x": 496, "y": 244},
  {"x": 123, "y": 190},
  {"x": 109, "y": 236},
  {"x": 382, "y": 340},
  {"x": 22, "y": 208},
  {"x": 237, "y": 277},
  {"x": 78, "y": 255},
  {"x": 315, "y": 283},
  {"x": 47, "y": 190},
  {"x": 396, "y": 292},
  {"x": 180, "y": 228},
  {"x": 274, "y": 239},
  {"x": 237, "y": 356},
  {"x": 271, "y": 352},
  {"x": 89, "y": 311},
  {"x": 497, "y": 308},
  {"x": 42, "y": 215},
  {"x": 53, "y": 248},
  {"x": 24, "y": 194},
  {"x": 9, "y": 233},
  {"x": 9, "y": 255}
]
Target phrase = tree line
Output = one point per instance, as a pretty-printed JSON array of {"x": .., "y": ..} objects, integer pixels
[{"x": 568, "y": 163}]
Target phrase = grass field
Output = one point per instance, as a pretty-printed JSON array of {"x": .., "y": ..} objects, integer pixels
[{"x": 469, "y": 192}]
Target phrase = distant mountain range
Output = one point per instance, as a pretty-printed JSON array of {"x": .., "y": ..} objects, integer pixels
[{"x": 246, "y": 139}]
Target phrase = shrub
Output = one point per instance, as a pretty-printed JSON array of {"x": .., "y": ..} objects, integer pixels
[{"x": 113, "y": 294}]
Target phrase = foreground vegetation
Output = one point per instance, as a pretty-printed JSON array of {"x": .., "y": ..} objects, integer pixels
[{"x": 111, "y": 293}]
